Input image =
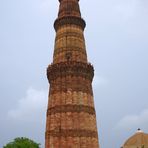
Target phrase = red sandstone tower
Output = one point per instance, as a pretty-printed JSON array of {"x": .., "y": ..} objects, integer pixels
[{"x": 71, "y": 118}]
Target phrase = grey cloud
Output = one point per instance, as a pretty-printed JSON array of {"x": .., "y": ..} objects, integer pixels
[{"x": 134, "y": 121}]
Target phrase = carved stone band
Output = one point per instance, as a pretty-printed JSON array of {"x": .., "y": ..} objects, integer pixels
[
  {"x": 71, "y": 133},
  {"x": 78, "y": 35},
  {"x": 84, "y": 89},
  {"x": 70, "y": 68},
  {"x": 72, "y": 48},
  {"x": 69, "y": 20},
  {"x": 71, "y": 108}
]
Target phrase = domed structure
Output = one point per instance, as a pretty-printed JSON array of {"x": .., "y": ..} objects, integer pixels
[{"x": 138, "y": 140}]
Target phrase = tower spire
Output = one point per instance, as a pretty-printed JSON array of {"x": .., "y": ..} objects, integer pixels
[
  {"x": 71, "y": 118},
  {"x": 69, "y": 28},
  {"x": 69, "y": 8}
]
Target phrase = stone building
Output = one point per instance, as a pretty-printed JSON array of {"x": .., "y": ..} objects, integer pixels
[
  {"x": 71, "y": 117},
  {"x": 138, "y": 140}
]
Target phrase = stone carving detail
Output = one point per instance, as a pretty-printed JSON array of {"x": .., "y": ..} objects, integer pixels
[
  {"x": 71, "y": 20},
  {"x": 87, "y": 88},
  {"x": 74, "y": 49},
  {"x": 70, "y": 68},
  {"x": 70, "y": 108},
  {"x": 70, "y": 33},
  {"x": 72, "y": 133}
]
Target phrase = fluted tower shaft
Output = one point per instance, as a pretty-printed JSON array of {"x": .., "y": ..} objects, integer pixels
[{"x": 71, "y": 118}]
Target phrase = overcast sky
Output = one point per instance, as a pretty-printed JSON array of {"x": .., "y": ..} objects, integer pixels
[{"x": 117, "y": 45}]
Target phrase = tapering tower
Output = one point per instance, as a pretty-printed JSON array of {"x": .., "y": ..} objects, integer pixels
[{"x": 71, "y": 118}]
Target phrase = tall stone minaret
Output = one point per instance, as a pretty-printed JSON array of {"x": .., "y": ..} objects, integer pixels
[{"x": 71, "y": 118}]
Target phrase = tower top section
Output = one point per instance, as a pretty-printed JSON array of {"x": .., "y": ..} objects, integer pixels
[
  {"x": 69, "y": 8},
  {"x": 69, "y": 13}
]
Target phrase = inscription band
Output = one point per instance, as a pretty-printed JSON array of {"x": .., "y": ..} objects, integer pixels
[
  {"x": 70, "y": 108},
  {"x": 72, "y": 133}
]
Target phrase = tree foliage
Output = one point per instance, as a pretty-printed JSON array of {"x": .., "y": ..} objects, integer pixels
[{"x": 22, "y": 143}]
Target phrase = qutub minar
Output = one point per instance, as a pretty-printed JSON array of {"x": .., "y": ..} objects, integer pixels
[{"x": 71, "y": 118}]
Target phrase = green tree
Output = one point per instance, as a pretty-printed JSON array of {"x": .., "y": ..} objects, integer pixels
[{"x": 22, "y": 143}]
